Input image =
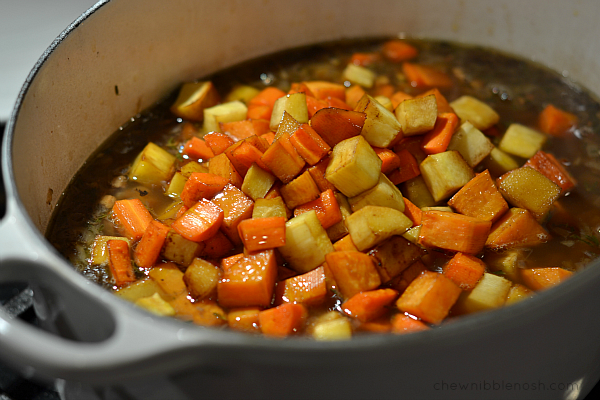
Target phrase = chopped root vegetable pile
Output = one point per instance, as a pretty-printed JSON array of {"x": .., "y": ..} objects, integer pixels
[{"x": 387, "y": 196}]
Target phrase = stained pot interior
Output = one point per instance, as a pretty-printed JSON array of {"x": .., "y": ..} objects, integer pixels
[{"x": 127, "y": 54}]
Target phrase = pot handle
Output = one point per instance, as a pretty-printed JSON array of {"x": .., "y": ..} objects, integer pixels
[{"x": 101, "y": 340}]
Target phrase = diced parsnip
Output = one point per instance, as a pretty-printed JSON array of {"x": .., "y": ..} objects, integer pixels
[
  {"x": 472, "y": 145},
  {"x": 490, "y": 292},
  {"x": 332, "y": 327},
  {"x": 444, "y": 174},
  {"x": 354, "y": 166},
  {"x": 100, "y": 250},
  {"x": 225, "y": 112},
  {"x": 243, "y": 93},
  {"x": 381, "y": 126},
  {"x": 180, "y": 250},
  {"x": 306, "y": 242},
  {"x": 417, "y": 115},
  {"x": 201, "y": 278},
  {"x": 499, "y": 162},
  {"x": 522, "y": 141},
  {"x": 516, "y": 228},
  {"x": 508, "y": 262},
  {"x": 293, "y": 104},
  {"x": 384, "y": 194},
  {"x": 480, "y": 198},
  {"x": 475, "y": 111},
  {"x": 339, "y": 230},
  {"x": 156, "y": 305},
  {"x": 437, "y": 208},
  {"x": 359, "y": 75},
  {"x": 169, "y": 278},
  {"x": 527, "y": 188},
  {"x": 140, "y": 289},
  {"x": 386, "y": 102},
  {"x": 372, "y": 225},
  {"x": 265, "y": 208},
  {"x": 257, "y": 182},
  {"x": 517, "y": 293},
  {"x": 412, "y": 235},
  {"x": 176, "y": 185},
  {"x": 394, "y": 255},
  {"x": 193, "y": 166},
  {"x": 152, "y": 166},
  {"x": 193, "y": 98},
  {"x": 417, "y": 192}
]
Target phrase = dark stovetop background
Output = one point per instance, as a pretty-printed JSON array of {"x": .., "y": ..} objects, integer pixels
[{"x": 17, "y": 301}]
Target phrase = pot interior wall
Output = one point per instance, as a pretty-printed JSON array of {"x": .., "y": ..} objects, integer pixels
[{"x": 127, "y": 54}]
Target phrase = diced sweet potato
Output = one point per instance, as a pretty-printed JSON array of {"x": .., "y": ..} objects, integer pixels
[
  {"x": 353, "y": 271},
  {"x": 309, "y": 288},
  {"x": 516, "y": 228},
  {"x": 236, "y": 207},
  {"x": 544, "y": 277},
  {"x": 480, "y": 199},
  {"x": 454, "y": 232}
]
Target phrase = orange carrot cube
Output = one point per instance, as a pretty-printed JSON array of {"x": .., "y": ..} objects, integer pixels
[
  {"x": 424, "y": 76},
  {"x": 119, "y": 262},
  {"x": 148, "y": 249},
  {"x": 311, "y": 147},
  {"x": 217, "y": 246},
  {"x": 389, "y": 160},
  {"x": 262, "y": 233},
  {"x": 222, "y": 166},
  {"x": 369, "y": 305},
  {"x": 412, "y": 211},
  {"x": 132, "y": 216},
  {"x": 317, "y": 172},
  {"x": 335, "y": 124},
  {"x": 217, "y": 142},
  {"x": 244, "y": 129},
  {"x": 402, "y": 323},
  {"x": 201, "y": 186},
  {"x": 397, "y": 50},
  {"x": 244, "y": 319},
  {"x": 556, "y": 122},
  {"x": 438, "y": 139},
  {"x": 200, "y": 222},
  {"x": 516, "y": 228},
  {"x": 197, "y": 149},
  {"x": 326, "y": 207},
  {"x": 325, "y": 89},
  {"x": 408, "y": 168},
  {"x": 345, "y": 244},
  {"x": 283, "y": 320},
  {"x": 299, "y": 191},
  {"x": 283, "y": 160}
]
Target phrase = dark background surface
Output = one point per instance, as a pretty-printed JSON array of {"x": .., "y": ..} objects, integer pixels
[{"x": 17, "y": 301}]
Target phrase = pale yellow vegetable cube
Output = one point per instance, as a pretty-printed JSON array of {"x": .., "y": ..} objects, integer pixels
[
  {"x": 180, "y": 250},
  {"x": 193, "y": 166},
  {"x": 340, "y": 230},
  {"x": 445, "y": 173},
  {"x": 221, "y": 113},
  {"x": 475, "y": 111},
  {"x": 386, "y": 102},
  {"x": 384, "y": 194},
  {"x": 517, "y": 293},
  {"x": 306, "y": 242},
  {"x": 257, "y": 182},
  {"x": 372, "y": 225},
  {"x": 140, "y": 289},
  {"x": 381, "y": 126},
  {"x": 243, "y": 93},
  {"x": 100, "y": 250},
  {"x": 498, "y": 162},
  {"x": 522, "y": 141},
  {"x": 490, "y": 292},
  {"x": 417, "y": 115},
  {"x": 156, "y": 305},
  {"x": 412, "y": 235},
  {"x": 176, "y": 185},
  {"x": 333, "y": 329},
  {"x": 170, "y": 211},
  {"x": 359, "y": 75},
  {"x": 193, "y": 99},
  {"x": 354, "y": 166},
  {"x": 293, "y": 104},
  {"x": 152, "y": 166},
  {"x": 471, "y": 143},
  {"x": 201, "y": 278},
  {"x": 417, "y": 192},
  {"x": 275, "y": 207},
  {"x": 508, "y": 262},
  {"x": 436, "y": 208}
]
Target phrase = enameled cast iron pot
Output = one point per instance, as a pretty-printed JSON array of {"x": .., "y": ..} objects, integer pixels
[{"x": 123, "y": 55}]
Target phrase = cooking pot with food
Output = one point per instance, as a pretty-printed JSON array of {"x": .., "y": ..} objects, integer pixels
[{"x": 120, "y": 58}]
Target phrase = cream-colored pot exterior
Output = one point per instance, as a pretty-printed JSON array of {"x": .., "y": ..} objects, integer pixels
[{"x": 122, "y": 56}]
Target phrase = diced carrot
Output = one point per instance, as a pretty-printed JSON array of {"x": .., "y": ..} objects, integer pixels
[
  {"x": 324, "y": 89},
  {"x": 236, "y": 207},
  {"x": 269, "y": 137},
  {"x": 200, "y": 186},
  {"x": 300, "y": 87},
  {"x": 492, "y": 131},
  {"x": 217, "y": 246},
  {"x": 544, "y": 277},
  {"x": 381, "y": 325},
  {"x": 299, "y": 191},
  {"x": 438, "y": 139},
  {"x": 412, "y": 211},
  {"x": 556, "y": 122},
  {"x": 229, "y": 261},
  {"x": 244, "y": 319},
  {"x": 442, "y": 104},
  {"x": 335, "y": 124},
  {"x": 119, "y": 262},
  {"x": 217, "y": 142},
  {"x": 284, "y": 273},
  {"x": 399, "y": 97},
  {"x": 353, "y": 94},
  {"x": 369, "y": 305},
  {"x": 345, "y": 244},
  {"x": 283, "y": 320},
  {"x": 402, "y": 323},
  {"x": 313, "y": 104},
  {"x": 480, "y": 199},
  {"x": 353, "y": 271},
  {"x": 326, "y": 207},
  {"x": 261, "y": 105},
  {"x": 424, "y": 76},
  {"x": 244, "y": 155},
  {"x": 170, "y": 279},
  {"x": 516, "y": 228},
  {"x": 398, "y": 50},
  {"x": 364, "y": 59},
  {"x": 386, "y": 90},
  {"x": 317, "y": 172},
  {"x": 413, "y": 145},
  {"x": 259, "y": 234},
  {"x": 200, "y": 222},
  {"x": 246, "y": 128},
  {"x": 181, "y": 211},
  {"x": 311, "y": 147},
  {"x": 148, "y": 249},
  {"x": 259, "y": 111},
  {"x": 454, "y": 232},
  {"x": 250, "y": 282},
  {"x": 552, "y": 169},
  {"x": 197, "y": 149},
  {"x": 429, "y": 297},
  {"x": 132, "y": 216},
  {"x": 389, "y": 160},
  {"x": 401, "y": 282},
  {"x": 309, "y": 288},
  {"x": 283, "y": 160},
  {"x": 222, "y": 166},
  {"x": 408, "y": 168},
  {"x": 464, "y": 270}
]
